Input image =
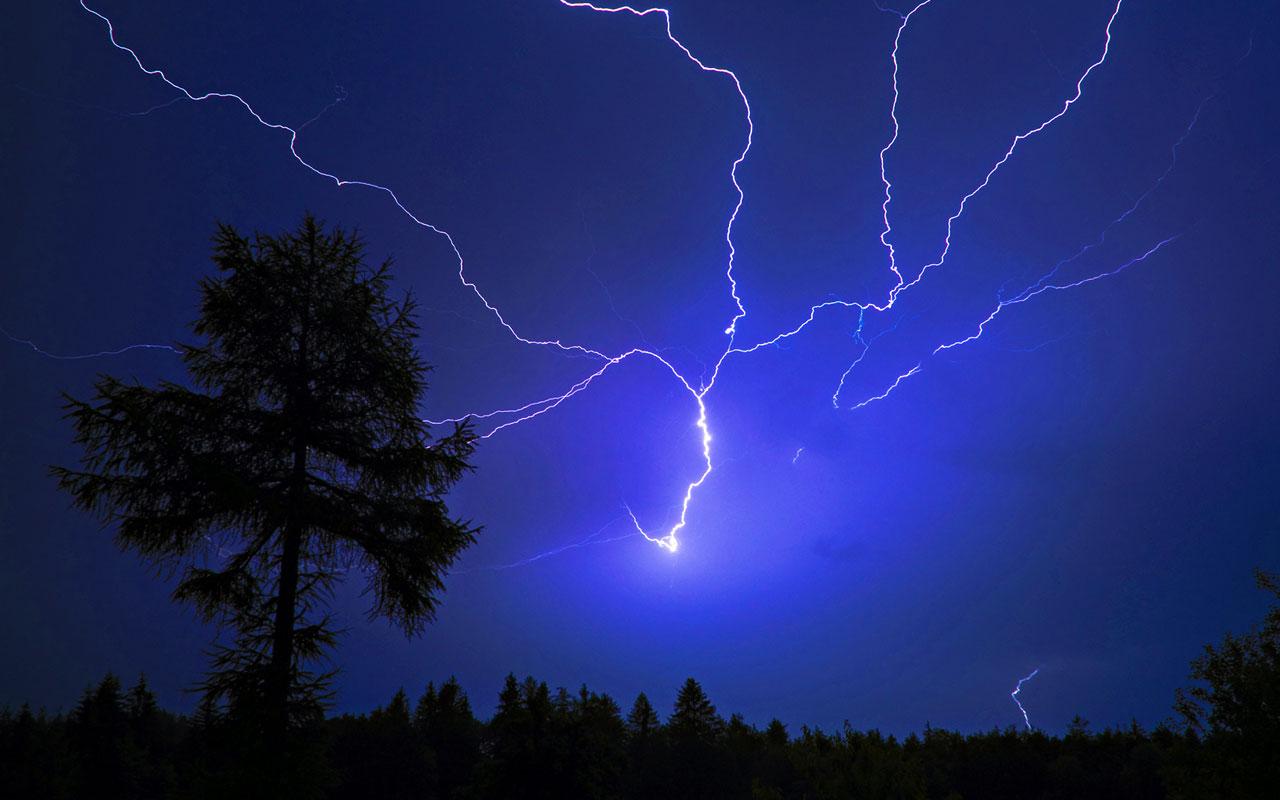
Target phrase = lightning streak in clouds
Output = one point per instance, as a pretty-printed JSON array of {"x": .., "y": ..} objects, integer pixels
[{"x": 508, "y": 417}]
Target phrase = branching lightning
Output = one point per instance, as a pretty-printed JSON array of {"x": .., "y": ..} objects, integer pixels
[{"x": 504, "y": 418}]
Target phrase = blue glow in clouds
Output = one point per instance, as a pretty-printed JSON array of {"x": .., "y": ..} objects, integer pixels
[{"x": 508, "y": 417}]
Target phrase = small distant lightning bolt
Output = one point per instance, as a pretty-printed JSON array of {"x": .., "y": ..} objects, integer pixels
[
  {"x": 1014, "y": 695},
  {"x": 796, "y": 457}
]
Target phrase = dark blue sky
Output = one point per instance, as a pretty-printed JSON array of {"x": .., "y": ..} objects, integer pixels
[{"x": 1084, "y": 490}]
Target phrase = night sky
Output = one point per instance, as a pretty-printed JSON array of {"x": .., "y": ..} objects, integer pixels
[{"x": 1084, "y": 490}]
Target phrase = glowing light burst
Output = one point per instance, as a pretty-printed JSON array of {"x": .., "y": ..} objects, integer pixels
[
  {"x": 504, "y": 418},
  {"x": 1014, "y": 695}
]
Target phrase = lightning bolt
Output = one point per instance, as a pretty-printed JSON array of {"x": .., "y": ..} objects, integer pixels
[
  {"x": 1014, "y": 695},
  {"x": 503, "y": 418}
]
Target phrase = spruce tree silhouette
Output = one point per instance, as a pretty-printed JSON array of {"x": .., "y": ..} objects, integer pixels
[
  {"x": 445, "y": 722},
  {"x": 645, "y": 774},
  {"x": 642, "y": 720},
  {"x": 694, "y": 716},
  {"x": 698, "y": 767},
  {"x": 297, "y": 453}
]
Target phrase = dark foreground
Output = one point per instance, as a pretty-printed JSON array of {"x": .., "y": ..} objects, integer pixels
[{"x": 543, "y": 744}]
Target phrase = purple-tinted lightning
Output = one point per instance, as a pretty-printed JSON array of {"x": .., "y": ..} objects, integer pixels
[
  {"x": 503, "y": 418},
  {"x": 1014, "y": 695}
]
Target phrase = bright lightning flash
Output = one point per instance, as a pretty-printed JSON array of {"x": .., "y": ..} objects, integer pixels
[{"x": 504, "y": 418}]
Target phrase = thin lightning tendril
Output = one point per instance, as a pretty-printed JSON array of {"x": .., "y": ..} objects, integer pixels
[
  {"x": 1045, "y": 283},
  {"x": 83, "y": 356},
  {"x": 508, "y": 417}
]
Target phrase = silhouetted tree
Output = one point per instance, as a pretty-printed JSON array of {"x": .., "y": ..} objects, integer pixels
[
  {"x": 596, "y": 746},
  {"x": 642, "y": 720},
  {"x": 698, "y": 768},
  {"x": 451, "y": 732},
  {"x": 99, "y": 737},
  {"x": 694, "y": 717},
  {"x": 645, "y": 774},
  {"x": 297, "y": 454},
  {"x": 1237, "y": 698},
  {"x": 518, "y": 742},
  {"x": 382, "y": 756}
]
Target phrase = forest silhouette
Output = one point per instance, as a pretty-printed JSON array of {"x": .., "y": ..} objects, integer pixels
[
  {"x": 545, "y": 744},
  {"x": 295, "y": 458}
]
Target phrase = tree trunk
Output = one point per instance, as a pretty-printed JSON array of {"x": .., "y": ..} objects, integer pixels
[
  {"x": 282, "y": 638},
  {"x": 282, "y": 644}
]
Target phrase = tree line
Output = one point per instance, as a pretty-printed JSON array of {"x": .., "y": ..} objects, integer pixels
[{"x": 550, "y": 745}]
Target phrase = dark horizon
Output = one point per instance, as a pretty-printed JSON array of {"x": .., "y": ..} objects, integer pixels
[{"x": 1084, "y": 491}]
